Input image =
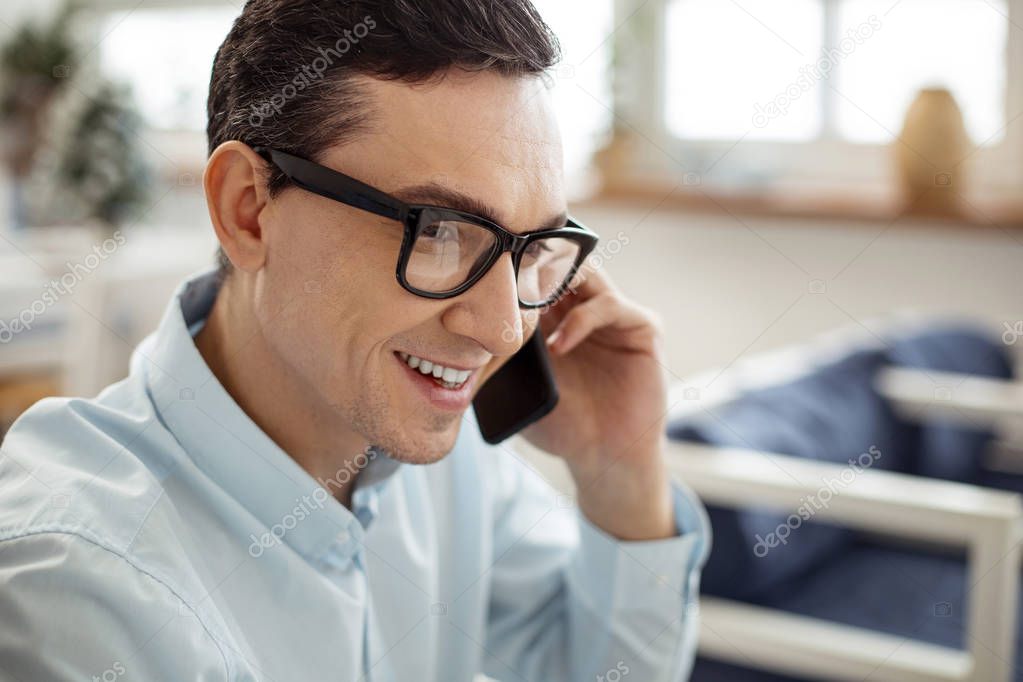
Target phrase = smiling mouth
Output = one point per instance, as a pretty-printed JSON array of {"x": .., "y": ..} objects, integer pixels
[{"x": 448, "y": 377}]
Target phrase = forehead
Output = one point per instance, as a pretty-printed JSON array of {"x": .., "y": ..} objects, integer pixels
[{"x": 487, "y": 135}]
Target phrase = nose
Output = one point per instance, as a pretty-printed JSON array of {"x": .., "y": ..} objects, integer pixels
[{"x": 489, "y": 312}]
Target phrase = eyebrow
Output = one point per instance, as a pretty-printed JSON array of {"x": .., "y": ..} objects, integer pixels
[{"x": 445, "y": 197}]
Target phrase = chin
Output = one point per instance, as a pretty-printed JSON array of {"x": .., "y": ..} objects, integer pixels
[{"x": 421, "y": 446}]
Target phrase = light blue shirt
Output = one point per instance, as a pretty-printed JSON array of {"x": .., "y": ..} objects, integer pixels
[{"x": 156, "y": 533}]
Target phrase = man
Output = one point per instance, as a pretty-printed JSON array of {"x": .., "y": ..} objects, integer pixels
[{"x": 290, "y": 485}]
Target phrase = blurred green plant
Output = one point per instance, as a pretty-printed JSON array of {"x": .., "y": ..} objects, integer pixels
[
  {"x": 71, "y": 140},
  {"x": 39, "y": 51},
  {"x": 34, "y": 67},
  {"x": 99, "y": 160}
]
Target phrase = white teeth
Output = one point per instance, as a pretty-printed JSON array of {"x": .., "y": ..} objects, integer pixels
[{"x": 450, "y": 376}]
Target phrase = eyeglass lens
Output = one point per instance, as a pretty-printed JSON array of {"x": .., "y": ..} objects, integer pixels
[{"x": 448, "y": 253}]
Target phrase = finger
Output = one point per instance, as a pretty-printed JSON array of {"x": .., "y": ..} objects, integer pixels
[
  {"x": 637, "y": 329},
  {"x": 586, "y": 284},
  {"x": 589, "y": 282},
  {"x": 552, "y": 315}
]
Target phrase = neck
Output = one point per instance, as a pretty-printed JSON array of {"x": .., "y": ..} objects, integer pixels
[{"x": 275, "y": 398}]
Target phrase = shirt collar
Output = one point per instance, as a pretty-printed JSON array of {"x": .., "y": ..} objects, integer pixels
[{"x": 232, "y": 450}]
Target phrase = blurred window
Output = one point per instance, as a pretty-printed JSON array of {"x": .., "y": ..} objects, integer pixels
[
  {"x": 166, "y": 55},
  {"x": 170, "y": 78},
  {"x": 758, "y": 69}
]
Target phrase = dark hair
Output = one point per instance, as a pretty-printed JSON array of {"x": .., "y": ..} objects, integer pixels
[{"x": 283, "y": 76}]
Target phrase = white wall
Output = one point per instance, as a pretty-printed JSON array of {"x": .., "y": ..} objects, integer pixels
[{"x": 727, "y": 289}]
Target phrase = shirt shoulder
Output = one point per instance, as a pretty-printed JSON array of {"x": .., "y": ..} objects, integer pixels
[
  {"x": 80, "y": 479},
  {"x": 76, "y": 609},
  {"x": 80, "y": 464}
]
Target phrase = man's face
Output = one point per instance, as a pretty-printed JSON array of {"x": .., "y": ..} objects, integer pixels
[{"x": 331, "y": 307}]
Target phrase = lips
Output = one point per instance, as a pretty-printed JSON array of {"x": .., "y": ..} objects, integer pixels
[
  {"x": 447, "y": 375},
  {"x": 450, "y": 377},
  {"x": 445, "y": 396}
]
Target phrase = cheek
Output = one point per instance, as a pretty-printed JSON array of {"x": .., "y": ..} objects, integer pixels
[
  {"x": 364, "y": 330},
  {"x": 296, "y": 232}
]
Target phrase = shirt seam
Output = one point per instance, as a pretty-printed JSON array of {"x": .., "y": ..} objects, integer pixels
[
  {"x": 142, "y": 523},
  {"x": 60, "y": 529}
]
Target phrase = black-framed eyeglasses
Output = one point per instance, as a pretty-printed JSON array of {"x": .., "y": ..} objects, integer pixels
[{"x": 445, "y": 251}]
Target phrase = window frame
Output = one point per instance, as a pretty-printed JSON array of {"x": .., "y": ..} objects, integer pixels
[{"x": 827, "y": 161}]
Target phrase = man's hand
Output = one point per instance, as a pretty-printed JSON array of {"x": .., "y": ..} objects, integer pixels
[{"x": 606, "y": 352}]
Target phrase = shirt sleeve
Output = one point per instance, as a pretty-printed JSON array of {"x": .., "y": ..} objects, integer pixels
[
  {"x": 71, "y": 609},
  {"x": 570, "y": 602}
]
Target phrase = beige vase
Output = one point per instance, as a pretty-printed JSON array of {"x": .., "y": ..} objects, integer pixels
[{"x": 929, "y": 154}]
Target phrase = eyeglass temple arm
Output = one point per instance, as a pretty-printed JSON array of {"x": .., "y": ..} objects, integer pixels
[{"x": 335, "y": 185}]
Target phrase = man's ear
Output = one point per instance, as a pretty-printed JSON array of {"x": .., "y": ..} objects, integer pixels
[{"x": 236, "y": 196}]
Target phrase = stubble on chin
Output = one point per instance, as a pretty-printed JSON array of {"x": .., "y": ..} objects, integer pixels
[
  {"x": 422, "y": 437},
  {"x": 430, "y": 446}
]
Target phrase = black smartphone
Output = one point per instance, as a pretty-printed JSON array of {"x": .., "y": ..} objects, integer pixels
[{"x": 518, "y": 394}]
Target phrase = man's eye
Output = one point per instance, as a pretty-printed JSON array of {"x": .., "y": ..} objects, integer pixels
[
  {"x": 440, "y": 231},
  {"x": 536, "y": 248}
]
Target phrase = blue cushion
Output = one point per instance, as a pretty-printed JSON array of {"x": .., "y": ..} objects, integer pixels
[
  {"x": 833, "y": 415},
  {"x": 706, "y": 670},
  {"x": 892, "y": 590},
  {"x": 947, "y": 450}
]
